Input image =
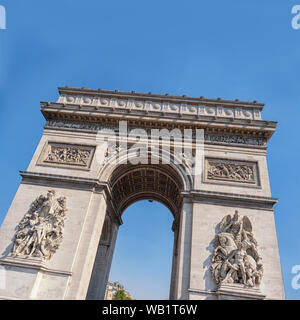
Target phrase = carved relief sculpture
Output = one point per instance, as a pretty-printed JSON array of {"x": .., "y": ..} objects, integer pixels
[
  {"x": 235, "y": 258},
  {"x": 68, "y": 155},
  {"x": 227, "y": 170},
  {"x": 235, "y": 139},
  {"x": 209, "y": 137},
  {"x": 40, "y": 232}
]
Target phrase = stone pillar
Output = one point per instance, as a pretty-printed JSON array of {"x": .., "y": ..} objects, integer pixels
[
  {"x": 66, "y": 274},
  {"x": 70, "y": 171},
  {"x": 87, "y": 249},
  {"x": 184, "y": 252},
  {"x": 102, "y": 264},
  {"x": 207, "y": 216},
  {"x": 174, "y": 263}
]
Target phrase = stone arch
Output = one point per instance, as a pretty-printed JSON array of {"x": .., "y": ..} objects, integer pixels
[
  {"x": 184, "y": 173},
  {"x": 130, "y": 183}
]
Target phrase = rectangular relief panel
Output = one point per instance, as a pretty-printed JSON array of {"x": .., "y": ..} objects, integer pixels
[
  {"x": 233, "y": 172},
  {"x": 67, "y": 155}
]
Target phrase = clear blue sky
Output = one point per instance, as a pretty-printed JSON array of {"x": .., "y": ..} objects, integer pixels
[{"x": 229, "y": 49}]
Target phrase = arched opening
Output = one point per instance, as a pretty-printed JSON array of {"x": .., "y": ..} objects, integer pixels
[
  {"x": 129, "y": 184},
  {"x": 142, "y": 259}
]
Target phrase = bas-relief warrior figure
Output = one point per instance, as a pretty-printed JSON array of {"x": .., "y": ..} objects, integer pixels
[
  {"x": 40, "y": 232},
  {"x": 235, "y": 258},
  {"x": 69, "y": 155},
  {"x": 235, "y": 172}
]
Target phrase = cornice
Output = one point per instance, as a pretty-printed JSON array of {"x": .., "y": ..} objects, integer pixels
[
  {"x": 76, "y": 113},
  {"x": 158, "y": 97},
  {"x": 61, "y": 178},
  {"x": 79, "y": 109},
  {"x": 140, "y": 110},
  {"x": 74, "y": 182},
  {"x": 33, "y": 264},
  {"x": 242, "y": 200}
]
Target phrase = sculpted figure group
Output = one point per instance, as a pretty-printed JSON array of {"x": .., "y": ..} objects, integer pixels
[
  {"x": 68, "y": 155},
  {"x": 40, "y": 231},
  {"x": 230, "y": 171},
  {"x": 235, "y": 258}
]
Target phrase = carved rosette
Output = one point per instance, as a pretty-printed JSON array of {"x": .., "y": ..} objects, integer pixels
[
  {"x": 235, "y": 258},
  {"x": 40, "y": 232}
]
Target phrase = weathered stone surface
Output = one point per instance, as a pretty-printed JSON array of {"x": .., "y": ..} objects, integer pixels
[
  {"x": 236, "y": 259},
  {"x": 93, "y": 191},
  {"x": 40, "y": 232}
]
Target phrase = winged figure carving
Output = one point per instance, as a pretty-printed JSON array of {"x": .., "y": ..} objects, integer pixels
[
  {"x": 40, "y": 232},
  {"x": 235, "y": 257}
]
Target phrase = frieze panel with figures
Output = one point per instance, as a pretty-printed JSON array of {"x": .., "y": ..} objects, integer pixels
[
  {"x": 67, "y": 155},
  {"x": 209, "y": 137},
  {"x": 231, "y": 171}
]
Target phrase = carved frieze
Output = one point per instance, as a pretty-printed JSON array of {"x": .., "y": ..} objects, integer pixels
[
  {"x": 235, "y": 258},
  {"x": 180, "y": 107},
  {"x": 209, "y": 137},
  {"x": 218, "y": 138},
  {"x": 231, "y": 171},
  {"x": 77, "y": 125},
  {"x": 40, "y": 232},
  {"x": 67, "y": 155}
]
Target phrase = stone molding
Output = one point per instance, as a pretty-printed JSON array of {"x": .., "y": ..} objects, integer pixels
[
  {"x": 237, "y": 140},
  {"x": 31, "y": 263},
  {"x": 231, "y": 199},
  {"x": 92, "y": 185},
  {"x": 13, "y": 298},
  {"x": 235, "y": 291},
  {"x": 249, "y": 112},
  {"x": 144, "y": 118},
  {"x": 239, "y": 121},
  {"x": 100, "y": 93},
  {"x": 210, "y": 136},
  {"x": 27, "y": 175},
  {"x": 231, "y": 291}
]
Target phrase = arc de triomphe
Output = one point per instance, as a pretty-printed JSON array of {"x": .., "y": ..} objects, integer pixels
[{"x": 58, "y": 237}]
